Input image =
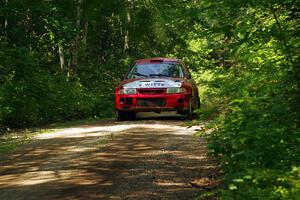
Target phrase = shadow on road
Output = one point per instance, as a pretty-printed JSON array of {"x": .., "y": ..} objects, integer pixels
[{"x": 116, "y": 161}]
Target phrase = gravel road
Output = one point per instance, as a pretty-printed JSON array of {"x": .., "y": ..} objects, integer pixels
[{"x": 152, "y": 158}]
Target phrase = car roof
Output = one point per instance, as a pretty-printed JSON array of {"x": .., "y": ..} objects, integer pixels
[{"x": 156, "y": 59}]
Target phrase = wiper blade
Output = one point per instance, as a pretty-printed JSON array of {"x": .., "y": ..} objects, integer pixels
[
  {"x": 138, "y": 74},
  {"x": 160, "y": 75}
]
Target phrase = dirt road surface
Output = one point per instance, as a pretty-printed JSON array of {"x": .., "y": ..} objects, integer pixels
[{"x": 144, "y": 159}]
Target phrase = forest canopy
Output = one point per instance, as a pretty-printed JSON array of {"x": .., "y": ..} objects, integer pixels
[{"x": 60, "y": 60}]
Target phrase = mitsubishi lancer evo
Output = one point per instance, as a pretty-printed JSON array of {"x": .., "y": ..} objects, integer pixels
[{"x": 156, "y": 85}]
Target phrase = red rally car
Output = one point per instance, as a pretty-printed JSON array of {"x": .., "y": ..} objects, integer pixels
[{"x": 157, "y": 84}]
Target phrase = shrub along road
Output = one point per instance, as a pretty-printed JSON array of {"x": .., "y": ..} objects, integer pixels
[{"x": 143, "y": 159}]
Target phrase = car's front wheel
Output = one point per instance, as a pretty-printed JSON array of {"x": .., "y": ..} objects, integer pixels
[
  {"x": 125, "y": 115},
  {"x": 198, "y": 103},
  {"x": 188, "y": 114}
]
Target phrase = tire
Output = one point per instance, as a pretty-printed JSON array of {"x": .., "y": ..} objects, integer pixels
[
  {"x": 121, "y": 116},
  {"x": 198, "y": 103},
  {"x": 125, "y": 115},
  {"x": 131, "y": 115},
  {"x": 195, "y": 115},
  {"x": 188, "y": 115}
]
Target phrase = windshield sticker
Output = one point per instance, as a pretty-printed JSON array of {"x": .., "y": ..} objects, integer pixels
[{"x": 153, "y": 84}]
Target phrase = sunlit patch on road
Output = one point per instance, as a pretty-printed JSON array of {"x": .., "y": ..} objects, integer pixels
[{"x": 139, "y": 159}]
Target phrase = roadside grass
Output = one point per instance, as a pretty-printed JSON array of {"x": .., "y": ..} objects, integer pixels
[
  {"x": 212, "y": 104},
  {"x": 11, "y": 139},
  {"x": 103, "y": 141},
  {"x": 68, "y": 124},
  {"x": 208, "y": 194},
  {"x": 206, "y": 114}
]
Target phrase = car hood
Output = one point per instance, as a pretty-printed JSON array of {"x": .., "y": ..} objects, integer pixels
[{"x": 153, "y": 83}]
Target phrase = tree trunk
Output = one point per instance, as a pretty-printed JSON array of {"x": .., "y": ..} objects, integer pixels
[
  {"x": 61, "y": 59},
  {"x": 128, "y": 6},
  {"x": 6, "y": 20},
  {"x": 85, "y": 32},
  {"x": 75, "y": 44}
]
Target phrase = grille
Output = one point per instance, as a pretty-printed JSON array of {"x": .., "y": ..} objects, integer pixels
[
  {"x": 150, "y": 102},
  {"x": 128, "y": 101},
  {"x": 153, "y": 92}
]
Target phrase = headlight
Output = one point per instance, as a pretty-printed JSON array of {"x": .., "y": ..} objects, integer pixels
[
  {"x": 175, "y": 90},
  {"x": 127, "y": 91}
]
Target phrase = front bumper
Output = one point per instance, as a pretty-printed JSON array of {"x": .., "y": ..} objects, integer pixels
[{"x": 149, "y": 102}]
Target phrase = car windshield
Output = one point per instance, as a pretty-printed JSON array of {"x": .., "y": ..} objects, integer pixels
[{"x": 164, "y": 69}]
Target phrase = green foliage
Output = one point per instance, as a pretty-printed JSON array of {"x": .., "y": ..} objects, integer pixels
[
  {"x": 10, "y": 141},
  {"x": 60, "y": 60},
  {"x": 31, "y": 96},
  {"x": 253, "y": 60}
]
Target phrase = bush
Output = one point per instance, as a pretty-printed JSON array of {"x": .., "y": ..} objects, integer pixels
[
  {"x": 257, "y": 137},
  {"x": 31, "y": 96}
]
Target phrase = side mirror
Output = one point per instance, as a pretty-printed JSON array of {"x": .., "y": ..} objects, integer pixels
[{"x": 189, "y": 76}]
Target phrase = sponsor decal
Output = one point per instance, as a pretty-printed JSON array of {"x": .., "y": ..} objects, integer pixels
[{"x": 153, "y": 84}]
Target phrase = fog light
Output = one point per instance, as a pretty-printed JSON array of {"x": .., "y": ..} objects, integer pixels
[
  {"x": 180, "y": 100},
  {"x": 122, "y": 100}
]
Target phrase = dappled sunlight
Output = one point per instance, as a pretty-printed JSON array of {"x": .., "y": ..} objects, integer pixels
[
  {"x": 101, "y": 130},
  {"x": 79, "y": 177},
  {"x": 169, "y": 183},
  {"x": 28, "y": 178},
  {"x": 135, "y": 160}
]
